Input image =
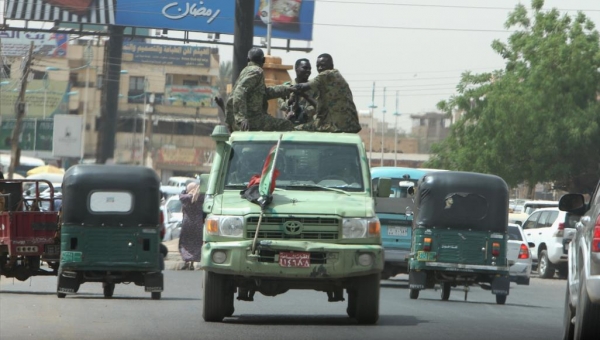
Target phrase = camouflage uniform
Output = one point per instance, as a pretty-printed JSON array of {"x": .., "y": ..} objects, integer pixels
[
  {"x": 336, "y": 111},
  {"x": 306, "y": 112},
  {"x": 249, "y": 98}
]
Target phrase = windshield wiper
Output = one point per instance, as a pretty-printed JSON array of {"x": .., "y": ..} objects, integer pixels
[{"x": 315, "y": 186}]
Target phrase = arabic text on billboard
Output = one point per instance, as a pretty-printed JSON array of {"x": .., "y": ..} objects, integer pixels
[
  {"x": 292, "y": 19},
  {"x": 44, "y": 98},
  {"x": 195, "y": 96},
  {"x": 16, "y": 44},
  {"x": 139, "y": 52}
]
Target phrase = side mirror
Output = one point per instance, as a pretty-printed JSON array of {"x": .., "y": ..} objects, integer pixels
[
  {"x": 384, "y": 187},
  {"x": 531, "y": 244},
  {"x": 573, "y": 203}
]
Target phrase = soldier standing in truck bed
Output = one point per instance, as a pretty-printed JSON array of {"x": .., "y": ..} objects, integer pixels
[
  {"x": 336, "y": 111},
  {"x": 246, "y": 108}
]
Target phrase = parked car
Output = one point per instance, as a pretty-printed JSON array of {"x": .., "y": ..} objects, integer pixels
[
  {"x": 169, "y": 190},
  {"x": 521, "y": 211},
  {"x": 546, "y": 228},
  {"x": 582, "y": 301},
  {"x": 519, "y": 255},
  {"x": 172, "y": 217},
  {"x": 180, "y": 181}
]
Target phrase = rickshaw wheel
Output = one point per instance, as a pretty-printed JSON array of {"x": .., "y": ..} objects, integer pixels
[
  {"x": 367, "y": 299},
  {"x": 109, "y": 289},
  {"x": 61, "y": 295},
  {"x": 156, "y": 295},
  {"x": 501, "y": 299},
  {"x": 414, "y": 294},
  {"x": 445, "y": 291}
]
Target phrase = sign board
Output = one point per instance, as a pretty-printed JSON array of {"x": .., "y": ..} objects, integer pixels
[
  {"x": 196, "y": 96},
  {"x": 180, "y": 55},
  {"x": 292, "y": 19},
  {"x": 77, "y": 11},
  {"x": 67, "y": 138},
  {"x": 44, "y": 98},
  {"x": 16, "y": 44},
  {"x": 35, "y": 136}
]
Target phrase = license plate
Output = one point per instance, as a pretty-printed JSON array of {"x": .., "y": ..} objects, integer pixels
[
  {"x": 397, "y": 231},
  {"x": 289, "y": 259},
  {"x": 426, "y": 256}
]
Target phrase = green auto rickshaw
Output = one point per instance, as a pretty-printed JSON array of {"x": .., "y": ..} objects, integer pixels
[
  {"x": 460, "y": 234},
  {"x": 111, "y": 229}
]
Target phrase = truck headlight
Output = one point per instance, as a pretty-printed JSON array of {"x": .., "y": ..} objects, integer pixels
[
  {"x": 360, "y": 227},
  {"x": 229, "y": 226}
]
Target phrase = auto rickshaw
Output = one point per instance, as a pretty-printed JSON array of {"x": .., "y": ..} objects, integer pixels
[
  {"x": 460, "y": 234},
  {"x": 110, "y": 229}
]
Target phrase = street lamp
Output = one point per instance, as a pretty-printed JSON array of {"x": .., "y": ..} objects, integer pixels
[{"x": 396, "y": 114}]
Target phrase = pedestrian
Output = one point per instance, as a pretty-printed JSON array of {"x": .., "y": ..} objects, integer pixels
[
  {"x": 336, "y": 111},
  {"x": 300, "y": 108},
  {"x": 190, "y": 239},
  {"x": 246, "y": 108}
]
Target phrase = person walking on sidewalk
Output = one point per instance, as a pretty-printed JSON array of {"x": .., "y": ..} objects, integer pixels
[{"x": 190, "y": 239}]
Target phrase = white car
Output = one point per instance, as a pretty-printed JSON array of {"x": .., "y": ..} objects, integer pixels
[
  {"x": 546, "y": 228},
  {"x": 518, "y": 255},
  {"x": 173, "y": 216}
]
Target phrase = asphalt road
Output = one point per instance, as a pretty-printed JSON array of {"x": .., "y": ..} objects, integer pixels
[{"x": 31, "y": 310}]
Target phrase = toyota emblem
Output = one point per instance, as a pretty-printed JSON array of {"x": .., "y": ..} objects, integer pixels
[{"x": 292, "y": 227}]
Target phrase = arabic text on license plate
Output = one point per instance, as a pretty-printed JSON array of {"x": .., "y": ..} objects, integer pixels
[
  {"x": 289, "y": 259},
  {"x": 397, "y": 231}
]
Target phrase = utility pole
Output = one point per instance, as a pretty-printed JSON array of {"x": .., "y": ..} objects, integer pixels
[
  {"x": 396, "y": 114},
  {"x": 372, "y": 107},
  {"x": 269, "y": 26},
  {"x": 383, "y": 127},
  {"x": 15, "y": 150},
  {"x": 243, "y": 38}
]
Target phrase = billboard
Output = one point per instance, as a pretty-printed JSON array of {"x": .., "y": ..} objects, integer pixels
[
  {"x": 78, "y": 11},
  {"x": 194, "y": 96},
  {"x": 180, "y": 55},
  {"x": 292, "y": 19},
  {"x": 16, "y": 44},
  {"x": 36, "y": 134},
  {"x": 67, "y": 137},
  {"x": 44, "y": 98}
]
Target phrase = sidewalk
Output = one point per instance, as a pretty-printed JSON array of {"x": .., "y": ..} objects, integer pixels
[{"x": 173, "y": 260}]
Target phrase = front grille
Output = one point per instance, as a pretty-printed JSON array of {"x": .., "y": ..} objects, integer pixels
[
  {"x": 392, "y": 223},
  {"x": 268, "y": 256},
  {"x": 313, "y": 228}
]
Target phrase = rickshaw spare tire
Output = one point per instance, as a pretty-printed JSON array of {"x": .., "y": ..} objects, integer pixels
[
  {"x": 156, "y": 295},
  {"x": 109, "y": 289},
  {"x": 367, "y": 299},
  {"x": 500, "y": 299},
  {"x": 414, "y": 294}
]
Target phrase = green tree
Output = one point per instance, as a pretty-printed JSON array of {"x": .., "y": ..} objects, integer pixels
[{"x": 538, "y": 119}]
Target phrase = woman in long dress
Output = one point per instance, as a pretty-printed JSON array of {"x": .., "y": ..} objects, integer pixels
[{"x": 190, "y": 238}]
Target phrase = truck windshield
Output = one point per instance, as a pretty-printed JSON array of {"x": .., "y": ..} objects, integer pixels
[{"x": 301, "y": 165}]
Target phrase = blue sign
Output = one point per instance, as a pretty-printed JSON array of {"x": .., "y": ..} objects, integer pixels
[{"x": 291, "y": 19}]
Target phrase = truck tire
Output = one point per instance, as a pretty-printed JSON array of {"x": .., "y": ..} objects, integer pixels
[
  {"x": 568, "y": 326},
  {"x": 351, "y": 309},
  {"x": 367, "y": 299},
  {"x": 109, "y": 289},
  {"x": 588, "y": 314},
  {"x": 214, "y": 300},
  {"x": 446, "y": 291},
  {"x": 545, "y": 267}
]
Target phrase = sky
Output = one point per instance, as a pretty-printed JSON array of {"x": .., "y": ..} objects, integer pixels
[{"x": 416, "y": 48}]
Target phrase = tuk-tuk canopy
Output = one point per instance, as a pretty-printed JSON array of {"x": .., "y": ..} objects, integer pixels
[
  {"x": 111, "y": 195},
  {"x": 462, "y": 200}
]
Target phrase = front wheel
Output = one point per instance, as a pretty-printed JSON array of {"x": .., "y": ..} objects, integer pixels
[
  {"x": 214, "y": 300},
  {"x": 351, "y": 309},
  {"x": 109, "y": 289},
  {"x": 545, "y": 268},
  {"x": 445, "y": 291},
  {"x": 414, "y": 294},
  {"x": 367, "y": 300},
  {"x": 501, "y": 299},
  {"x": 156, "y": 295},
  {"x": 587, "y": 314}
]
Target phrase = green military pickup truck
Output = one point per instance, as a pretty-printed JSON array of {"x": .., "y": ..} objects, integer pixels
[{"x": 318, "y": 229}]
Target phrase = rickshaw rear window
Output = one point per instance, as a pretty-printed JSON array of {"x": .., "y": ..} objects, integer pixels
[
  {"x": 111, "y": 202},
  {"x": 466, "y": 206}
]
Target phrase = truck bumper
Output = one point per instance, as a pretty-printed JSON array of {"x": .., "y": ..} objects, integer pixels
[{"x": 327, "y": 261}]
